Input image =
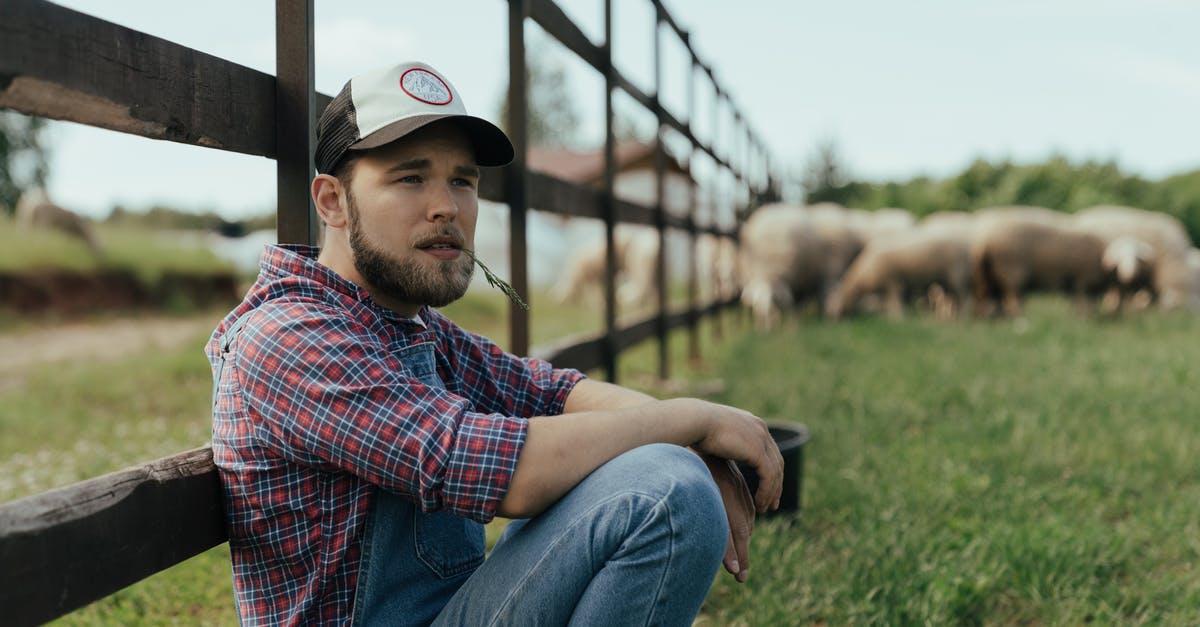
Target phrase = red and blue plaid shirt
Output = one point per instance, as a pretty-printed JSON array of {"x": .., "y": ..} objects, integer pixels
[{"x": 313, "y": 413}]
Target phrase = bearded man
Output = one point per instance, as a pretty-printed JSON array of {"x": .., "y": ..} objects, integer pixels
[{"x": 363, "y": 439}]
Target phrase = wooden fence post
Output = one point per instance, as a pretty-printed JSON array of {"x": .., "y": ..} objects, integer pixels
[
  {"x": 515, "y": 179},
  {"x": 609, "y": 207},
  {"x": 660, "y": 205},
  {"x": 295, "y": 122}
]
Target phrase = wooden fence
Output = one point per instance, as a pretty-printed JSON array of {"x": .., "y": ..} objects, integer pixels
[{"x": 65, "y": 548}]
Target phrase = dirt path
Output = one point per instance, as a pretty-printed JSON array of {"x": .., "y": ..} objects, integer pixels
[{"x": 96, "y": 341}]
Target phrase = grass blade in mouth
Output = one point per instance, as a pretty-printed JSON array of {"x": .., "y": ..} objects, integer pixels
[{"x": 497, "y": 282}]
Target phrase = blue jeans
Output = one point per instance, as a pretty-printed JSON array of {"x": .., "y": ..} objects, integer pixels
[{"x": 637, "y": 542}]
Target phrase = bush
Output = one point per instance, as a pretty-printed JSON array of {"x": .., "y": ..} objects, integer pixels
[{"x": 1056, "y": 183}]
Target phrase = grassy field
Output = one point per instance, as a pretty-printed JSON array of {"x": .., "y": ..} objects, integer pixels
[
  {"x": 1033, "y": 472},
  {"x": 146, "y": 252}
]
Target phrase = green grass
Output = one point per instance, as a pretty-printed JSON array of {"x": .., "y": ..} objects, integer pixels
[
  {"x": 63, "y": 423},
  {"x": 1036, "y": 472},
  {"x": 146, "y": 253},
  {"x": 980, "y": 473}
]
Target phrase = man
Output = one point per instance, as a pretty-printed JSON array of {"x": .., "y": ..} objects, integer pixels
[{"x": 362, "y": 438}]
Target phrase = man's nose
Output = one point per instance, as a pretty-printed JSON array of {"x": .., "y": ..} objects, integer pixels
[{"x": 442, "y": 205}]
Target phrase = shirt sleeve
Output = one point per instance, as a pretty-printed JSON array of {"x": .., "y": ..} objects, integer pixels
[
  {"x": 495, "y": 380},
  {"x": 323, "y": 390}
]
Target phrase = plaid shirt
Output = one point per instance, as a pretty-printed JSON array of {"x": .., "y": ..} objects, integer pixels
[{"x": 313, "y": 413}]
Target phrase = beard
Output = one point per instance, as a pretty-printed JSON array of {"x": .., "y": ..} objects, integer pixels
[{"x": 407, "y": 280}]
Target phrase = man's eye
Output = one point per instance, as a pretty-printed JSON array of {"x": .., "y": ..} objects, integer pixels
[
  {"x": 464, "y": 182},
  {"x": 411, "y": 178}
]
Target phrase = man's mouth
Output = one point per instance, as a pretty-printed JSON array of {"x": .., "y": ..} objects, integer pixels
[{"x": 442, "y": 247}]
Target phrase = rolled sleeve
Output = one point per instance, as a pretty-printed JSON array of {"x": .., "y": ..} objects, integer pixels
[
  {"x": 481, "y": 467},
  {"x": 495, "y": 380},
  {"x": 326, "y": 392}
]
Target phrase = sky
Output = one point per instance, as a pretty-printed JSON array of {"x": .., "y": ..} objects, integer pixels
[{"x": 901, "y": 88}]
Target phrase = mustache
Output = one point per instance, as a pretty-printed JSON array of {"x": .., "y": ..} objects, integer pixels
[{"x": 448, "y": 234}]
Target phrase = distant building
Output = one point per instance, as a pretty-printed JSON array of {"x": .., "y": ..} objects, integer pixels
[{"x": 635, "y": 179}]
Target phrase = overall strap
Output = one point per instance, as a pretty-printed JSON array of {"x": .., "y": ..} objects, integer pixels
[{"x": 223, "y": 349}]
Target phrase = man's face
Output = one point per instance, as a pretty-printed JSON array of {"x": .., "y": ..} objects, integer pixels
[{"x": 412, "y": 206}]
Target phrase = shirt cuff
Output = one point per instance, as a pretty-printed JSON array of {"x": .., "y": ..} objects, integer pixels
[{"x": 482, "y": 464}]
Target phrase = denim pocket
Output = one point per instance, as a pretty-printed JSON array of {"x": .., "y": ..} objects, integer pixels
[{"x": 448, "y": 545}]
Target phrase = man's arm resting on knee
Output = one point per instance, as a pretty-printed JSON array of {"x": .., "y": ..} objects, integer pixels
[
  {"x": 561, "y": 450},
  {"x": 591, "y": 395}
]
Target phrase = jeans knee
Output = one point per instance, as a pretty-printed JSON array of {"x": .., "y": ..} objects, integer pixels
[{"x": 683, "y": 484}]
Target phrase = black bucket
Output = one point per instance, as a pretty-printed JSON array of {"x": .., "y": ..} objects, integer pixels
[{"x": 791, "y": 437}]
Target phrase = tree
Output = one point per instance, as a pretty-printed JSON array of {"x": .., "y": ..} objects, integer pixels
[
  {"x": 23, "y": 160},
  {"x": 825, "y": 178},
  {"x": 552, "y": 119}
]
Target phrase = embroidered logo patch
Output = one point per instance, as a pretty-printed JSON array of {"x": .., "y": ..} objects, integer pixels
[{"x": 426, "y": 87}]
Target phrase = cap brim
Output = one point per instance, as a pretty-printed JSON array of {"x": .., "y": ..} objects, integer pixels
[{"x": 492, "y": 147}]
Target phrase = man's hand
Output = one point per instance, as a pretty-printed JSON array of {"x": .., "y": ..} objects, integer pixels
[
  {"x": 740, "y": 436},
  {"x": 739, "y": 507}
]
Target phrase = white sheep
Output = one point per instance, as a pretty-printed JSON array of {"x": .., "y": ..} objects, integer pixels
[
  {"x": 717, "y": 267},
  {"x": 885, "y": 222},
  {"x": 792, "y": 255},
  {"x": 1013, "y": 256},
  {"x": 636, "y": 250},
  {"x": 1171, "y": 280},
  {"x": 959, "y": 221},
  {"x": 986, "y": 220},
  {"x": 904, "y": 267},
  {"x": 1193, "y": 265},
  {"x": 1132, "y": 262}
]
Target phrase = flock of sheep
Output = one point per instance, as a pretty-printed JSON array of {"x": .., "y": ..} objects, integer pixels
[{"x": 957, "y": 263}]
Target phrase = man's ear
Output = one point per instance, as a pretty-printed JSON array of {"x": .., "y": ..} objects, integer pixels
[{"x": 327, "y": 195}]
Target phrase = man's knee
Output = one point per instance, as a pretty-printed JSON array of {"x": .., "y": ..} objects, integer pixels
[{"x": 682, "y": 484}]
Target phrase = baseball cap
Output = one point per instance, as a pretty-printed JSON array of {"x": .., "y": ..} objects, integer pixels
[{"x": 383, "y": 105}]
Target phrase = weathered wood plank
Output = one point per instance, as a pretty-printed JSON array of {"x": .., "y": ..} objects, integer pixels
[
  {"x": 553, "y": 195},
  {"x": 582, "y": 352},
  {"x": 635, "y": 333},
  {"x": 65, "y": 548},
  {"x": 633, "y": 213},
  {"x": 647, "y": 101},
  {"x": 585, "y": 351},
  {"x": 493, "y": 185},
  {"x": 62, "y": 64},
  {"x": 554, "y": 21}
]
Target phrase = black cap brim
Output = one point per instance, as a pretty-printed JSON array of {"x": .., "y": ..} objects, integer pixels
[{"x": 492, "y": 146}]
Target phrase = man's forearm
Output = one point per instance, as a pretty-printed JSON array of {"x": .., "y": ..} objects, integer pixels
[
  {"x": 592, "y": 395},
  {"x": 602, "y": 420},
  {"x": 561, "y": 450}
]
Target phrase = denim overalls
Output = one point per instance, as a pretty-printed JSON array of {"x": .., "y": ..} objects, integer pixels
[{"x": 412, "y": 562}]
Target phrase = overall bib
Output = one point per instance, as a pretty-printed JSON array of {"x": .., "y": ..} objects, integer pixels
[{"x": 412, "y": 561}]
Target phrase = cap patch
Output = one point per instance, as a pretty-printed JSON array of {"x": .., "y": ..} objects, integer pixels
[{"x": 425, "y": 86}]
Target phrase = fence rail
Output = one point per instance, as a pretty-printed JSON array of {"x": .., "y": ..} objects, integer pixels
[
  {"x": 68, "y": 547},
  {"x": 65, "y": 548}
]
